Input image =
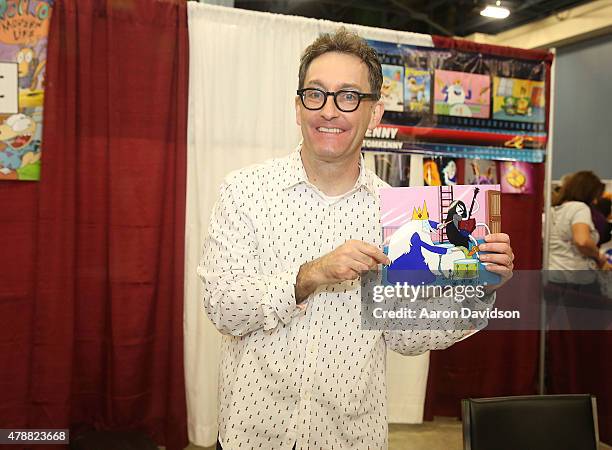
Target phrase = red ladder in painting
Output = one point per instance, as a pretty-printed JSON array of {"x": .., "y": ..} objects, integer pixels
[{"x": 446, "y": 198}]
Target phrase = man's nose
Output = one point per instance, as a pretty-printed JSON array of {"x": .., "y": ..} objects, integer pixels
[{"x": 329, "y": 110}]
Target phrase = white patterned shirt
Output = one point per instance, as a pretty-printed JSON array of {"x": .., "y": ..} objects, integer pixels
[{"x": 288, "y": 375}]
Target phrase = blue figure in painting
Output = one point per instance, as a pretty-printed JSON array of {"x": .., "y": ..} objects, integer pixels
[{"x": 409, "y": 263}]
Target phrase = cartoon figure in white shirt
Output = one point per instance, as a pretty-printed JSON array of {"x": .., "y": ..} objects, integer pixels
[{"x": 455, "y": 95}]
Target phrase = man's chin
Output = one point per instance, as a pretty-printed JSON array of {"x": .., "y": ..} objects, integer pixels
[{"x": 331, "y": 153}]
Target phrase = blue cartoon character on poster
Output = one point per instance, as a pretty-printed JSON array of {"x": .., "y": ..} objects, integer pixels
[
  {"x": 406, "y": 246},
  {"x": 423, "y": 249}
]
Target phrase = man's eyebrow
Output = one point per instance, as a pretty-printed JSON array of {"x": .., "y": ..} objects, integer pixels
[
  {"x": 350, "y": 86},
  {"x": 342, "y": 86}
]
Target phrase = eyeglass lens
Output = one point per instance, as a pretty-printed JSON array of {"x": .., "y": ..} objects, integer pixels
[{"x": 346, "y": 101}]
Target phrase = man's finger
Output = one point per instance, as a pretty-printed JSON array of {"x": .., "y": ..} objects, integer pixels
[
  {"x": 497, "y": 237},
  {"x": 359, "y": 267},
  {"x": 363, "y": 258},
  {"x": 373, "y": 252},
  {"x": 501, "y": 259},
  {"x": 496, "y": 247},
  {"x": 504, "y": 271}
]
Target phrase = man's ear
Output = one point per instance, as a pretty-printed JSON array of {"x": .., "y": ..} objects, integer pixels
[
  {"x": 298, "y": 120},
  {"x": 377, "y": 113}
]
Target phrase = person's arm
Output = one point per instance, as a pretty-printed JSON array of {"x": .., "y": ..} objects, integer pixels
[
  {"x": 581, "y": 237},
  {"x": 417, "y": 342},
  {"x": 238, "y": 299},
  {"x": 437, "y": 334},
  {"x": 346, "y": 262},
  {"x": 426, "y": 334},
  {"x": 433, "y": 248}
]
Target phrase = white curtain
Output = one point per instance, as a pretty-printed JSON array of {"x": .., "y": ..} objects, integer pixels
[{"x": 242, "y": 82}]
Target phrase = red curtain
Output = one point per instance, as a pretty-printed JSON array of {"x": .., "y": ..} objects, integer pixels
[
  {"x": 497, "y": 363},
  {"x": 91, "y": 299},
  {"x": 494, "y": 363},
  {"x": 579, "y": 362}
]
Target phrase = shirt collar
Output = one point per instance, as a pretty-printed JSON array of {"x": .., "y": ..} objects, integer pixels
[{"x": 294, "y": 173}]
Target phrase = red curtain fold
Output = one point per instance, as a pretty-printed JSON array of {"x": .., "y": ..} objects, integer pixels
[
  {"x": 497, "y": 363},
  {"x": 579, "y": 362},
  {"x": 91, "y": 304},
  {"x": 494, "y": 363}
]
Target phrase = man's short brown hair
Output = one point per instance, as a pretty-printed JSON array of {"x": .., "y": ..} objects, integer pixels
[{"x": 344, "y": 41}]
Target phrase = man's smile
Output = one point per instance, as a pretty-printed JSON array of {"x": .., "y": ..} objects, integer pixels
[{"x": 329, "y": 130}]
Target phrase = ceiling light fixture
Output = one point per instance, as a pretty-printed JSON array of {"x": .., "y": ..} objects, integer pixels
[{"x": 495, "y": 11}]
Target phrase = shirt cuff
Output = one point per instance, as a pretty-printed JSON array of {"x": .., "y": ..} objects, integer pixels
[{"x": 279, "y": 302}]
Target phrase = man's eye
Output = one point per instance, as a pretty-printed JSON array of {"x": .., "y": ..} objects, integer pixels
[
  {"x": 314, "y": 95},
  {"x": 350, "y": 96}
]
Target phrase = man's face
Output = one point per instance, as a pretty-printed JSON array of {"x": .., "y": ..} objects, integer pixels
[{"x": 330, "y": 134}]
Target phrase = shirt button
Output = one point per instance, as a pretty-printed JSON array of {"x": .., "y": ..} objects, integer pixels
[{"x": 307, "y": 396}]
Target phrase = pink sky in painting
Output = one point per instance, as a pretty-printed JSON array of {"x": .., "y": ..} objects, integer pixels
[{"x": 397, "y": 204}]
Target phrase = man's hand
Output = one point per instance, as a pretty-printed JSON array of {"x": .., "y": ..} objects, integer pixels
[
  {"x": 500, "y": 260},
  {"x": 346, "y": 262}
]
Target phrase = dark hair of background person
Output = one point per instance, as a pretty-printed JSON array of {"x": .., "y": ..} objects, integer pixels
[{"x": 583, "y": 186}]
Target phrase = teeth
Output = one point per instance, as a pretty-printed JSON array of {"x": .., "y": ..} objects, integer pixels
[{"x": 329, "y": 130}]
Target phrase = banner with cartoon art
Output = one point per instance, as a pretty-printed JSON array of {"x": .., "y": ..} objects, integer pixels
[
  {"x": 24, "y": 26},
  {"x": 476, "y": 103}
]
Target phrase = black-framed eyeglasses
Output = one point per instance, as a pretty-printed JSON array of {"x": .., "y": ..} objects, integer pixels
[{"x": 345, "y": 100}]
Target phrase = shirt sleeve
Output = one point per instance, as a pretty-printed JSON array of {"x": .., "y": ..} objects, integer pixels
[
  {"x": 582, "y": 214},
  {"x": 436, "y": 334},
  {"x": 238, "y": 299}
]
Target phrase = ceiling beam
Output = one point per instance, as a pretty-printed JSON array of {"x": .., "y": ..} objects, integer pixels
[
  {"x": 566, "y": 27},
  {"x": 421, "y": 17},
  {"x": 354, "y": 4}
]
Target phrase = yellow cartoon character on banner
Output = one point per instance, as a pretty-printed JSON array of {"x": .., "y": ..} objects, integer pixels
[{"x": 21, "y": 149}]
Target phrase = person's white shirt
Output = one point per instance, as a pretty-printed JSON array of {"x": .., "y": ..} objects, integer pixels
[
  {"x": 564, "y": 255},
  {"x": 288, "y": 375}
]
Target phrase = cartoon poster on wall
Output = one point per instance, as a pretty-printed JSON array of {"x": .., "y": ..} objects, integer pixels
[
  {"x": 440, "y": 171},
  {"x": 480, "y": 171},
  {"x": 432, "y": 234},
  {"x": 448, "y": 103},
  {"x": 24, "y": 27},
  {"x": 392, "y": 90},
  {"x": 418, "y": 86},
  {"x": 518, "y": 100},
  {"x": 392, "y": 168},
  {"x": 516, "y": 177},
  {"x": 461, "y": 94}
]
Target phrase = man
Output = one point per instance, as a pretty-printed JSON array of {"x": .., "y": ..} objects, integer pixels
[{"x": 288, "y": 240}]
